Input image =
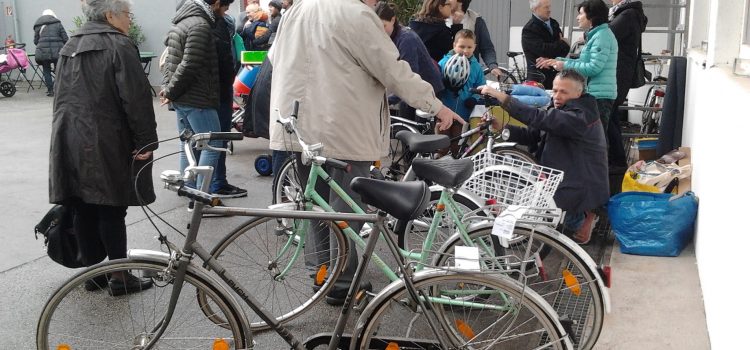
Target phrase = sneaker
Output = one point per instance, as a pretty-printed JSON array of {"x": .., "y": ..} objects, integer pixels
[
  {"x": 230, "y": 191},
  {"x": 336, "y": 297},
  {"x": 583, "y": 235}
]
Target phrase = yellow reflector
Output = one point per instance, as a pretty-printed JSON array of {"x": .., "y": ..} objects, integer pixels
[
  {"x": 464, "y": 329},
  {"x": 320, "y": 277},
  {"x": 376, "y": 164},
  {"x": 392, "y": 346},
  {"x": 342, "y": 225},
  {"x": 440, "y": 207},
  {"x": 572, "y": 282},
  {"x": 63, "y": 347},
  {"x": 220, "y": 344}
]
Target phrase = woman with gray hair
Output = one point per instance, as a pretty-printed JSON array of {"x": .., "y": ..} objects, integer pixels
[
  {"x": 103, "y": 135},
  {"x": 49, "y": 38}
]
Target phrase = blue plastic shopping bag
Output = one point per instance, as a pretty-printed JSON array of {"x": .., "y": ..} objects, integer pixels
[{"x": 658, "y": 224}]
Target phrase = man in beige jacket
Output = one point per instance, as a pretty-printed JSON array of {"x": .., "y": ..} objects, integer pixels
[{"x": 334, "y": 57}]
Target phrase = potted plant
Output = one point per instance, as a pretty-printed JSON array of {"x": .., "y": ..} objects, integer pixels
[{"x": 135, "y": 32}]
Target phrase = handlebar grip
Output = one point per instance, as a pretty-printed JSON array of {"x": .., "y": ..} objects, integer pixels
[
  {"x": 295, "y": 108},
  {"x": 199, "y": 196},
  {"x": 335, "y": 163},
  {"x": 226, "y": 136}
]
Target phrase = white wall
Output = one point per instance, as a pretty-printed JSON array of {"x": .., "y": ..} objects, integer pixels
[{"x": 716, "y": 126}]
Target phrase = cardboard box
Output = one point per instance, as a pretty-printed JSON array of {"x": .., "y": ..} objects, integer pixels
[{"x": 685, "y": 184}]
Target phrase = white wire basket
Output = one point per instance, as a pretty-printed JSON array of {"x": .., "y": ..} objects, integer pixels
[{"x": 508, "y": 181}]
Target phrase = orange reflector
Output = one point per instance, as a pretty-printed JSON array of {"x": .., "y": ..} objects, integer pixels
[
  {"x": 220, "y": 344},
  {"x": 342, "y": 225},
  {"x": 63, "y": 347},
  {"x": 320, "y": 277},
  {"x": 376, "y": 164},
  {"x": 440, "y": 207},
  {"x": 392, "y": 346},
  {"x": 464, "y": 329},
  {"x": 572, "y": 282}
]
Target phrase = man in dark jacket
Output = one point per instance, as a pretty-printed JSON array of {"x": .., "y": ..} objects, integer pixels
[
  {"x": 627, "y": 22},
  {"x": 103, "y": 135},
  {"x": 191, "y": 76},
  {"x": 542, "y": 37},
  {"x": 568, "y": 137},
  {"x": 49, "y": 38}
]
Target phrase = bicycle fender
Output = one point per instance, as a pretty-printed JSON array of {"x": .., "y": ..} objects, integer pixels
[
  {"x": 162, "y": 257},
  {"x": 461, "y": 192}
]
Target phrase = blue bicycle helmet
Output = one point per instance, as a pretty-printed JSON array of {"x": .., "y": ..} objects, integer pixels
[{"x": 456, "y": 72}]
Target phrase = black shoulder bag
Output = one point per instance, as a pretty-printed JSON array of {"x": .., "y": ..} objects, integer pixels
[{"x": 60, "y": 237}]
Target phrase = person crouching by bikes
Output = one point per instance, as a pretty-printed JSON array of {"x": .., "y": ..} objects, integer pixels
[{"x": 568, "y": 137}]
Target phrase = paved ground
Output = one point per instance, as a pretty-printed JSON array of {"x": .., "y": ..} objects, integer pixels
[{"x": 656, "y": 301}]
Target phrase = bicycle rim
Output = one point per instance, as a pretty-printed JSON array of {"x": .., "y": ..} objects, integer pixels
[
  {"x": 514, "y": 153},
  {"x": 578, "y": 298},
  {"x": 495, "y": 313},
  {"x": 84, "y": 319},
  {"x": 255, "y": 252},
  {"x": 286, "y": 184}
]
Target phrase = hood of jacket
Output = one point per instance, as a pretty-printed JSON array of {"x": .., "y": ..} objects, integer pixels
[
  {"x": 190, "y": 8},
  {"x": 45, "y": 20},
  {"x": 634, "y": 6}
]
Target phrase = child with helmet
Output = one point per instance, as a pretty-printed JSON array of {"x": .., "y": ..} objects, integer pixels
[{"x": 461, "y": 73}]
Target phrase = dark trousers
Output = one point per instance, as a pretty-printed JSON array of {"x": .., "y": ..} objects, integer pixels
[
  {"x": 100, "y": 228},
  {"x": 605, "y": 109},
  {"x": 318, "y": 245},
  {"x": 225, "y": 122},
  {"x": 47, "y": 74},
  {"x": 617, "y": 156}
]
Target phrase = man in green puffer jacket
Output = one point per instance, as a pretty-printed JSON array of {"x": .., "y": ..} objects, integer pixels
[{"x": 598, "y": 60}]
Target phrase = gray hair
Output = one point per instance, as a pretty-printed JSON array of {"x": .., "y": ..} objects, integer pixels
[
  {"x": 533, "y": 4},
  {"x": 573, "y": 76},
  {"x": 96, "y": 10}
]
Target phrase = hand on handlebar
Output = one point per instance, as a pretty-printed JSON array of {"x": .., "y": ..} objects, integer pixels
[
  {"x": 501, "y": 96},
  {"x": 446, "y": 117}
]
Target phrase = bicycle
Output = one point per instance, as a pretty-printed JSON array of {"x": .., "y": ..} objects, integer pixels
[
  {"x": 517, "y": 74},
  {"x": 448, "y": 174},
  {"x": 445, "y": 298}
]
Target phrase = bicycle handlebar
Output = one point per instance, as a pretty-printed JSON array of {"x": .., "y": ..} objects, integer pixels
[{"x": 197, "y": 195}]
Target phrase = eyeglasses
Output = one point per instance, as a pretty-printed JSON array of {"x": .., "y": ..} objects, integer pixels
[{"x": 130, "y": 15}]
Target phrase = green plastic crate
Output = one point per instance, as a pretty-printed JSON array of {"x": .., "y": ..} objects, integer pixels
[{"x": 253, "y": 57}]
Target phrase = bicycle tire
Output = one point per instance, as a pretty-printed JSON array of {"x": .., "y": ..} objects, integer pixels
[
  {"x": 507, "y": 77},
  {"x": 391, "y": 316},
  {"x": 247, "y": 253},
  {"x": 286, "y": 183},
  {"x": 399, "y": 157},
  {"x": 128, "y": 320},
  {"x": 411, "y": 233},
  {"x": 553, "y": 252},
  {"x": 514, "y": 153}
]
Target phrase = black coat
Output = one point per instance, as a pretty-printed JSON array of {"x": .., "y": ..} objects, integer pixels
[
  {"x": 537, "y": 41},
  {"x": 103, "y": 111},
  {"x": 436, "y": 36},
  {"x": 627, "y": 25},
  {"x": 49, "y": 38},
  {"x": 190, "y": 70},
  {"x": 571, "y": 139},
  {"x": 223, "y": 39}
]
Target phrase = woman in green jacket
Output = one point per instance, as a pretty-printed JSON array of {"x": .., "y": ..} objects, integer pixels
[{"x": 598, "y": 59}]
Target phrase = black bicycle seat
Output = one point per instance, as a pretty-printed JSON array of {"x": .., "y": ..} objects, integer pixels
[
  {"x": 446, "y": 171},
  {"x": 419, "y": 143},
  {"x": 403, "y": 200},
  {"x": 512, "y": 54}
]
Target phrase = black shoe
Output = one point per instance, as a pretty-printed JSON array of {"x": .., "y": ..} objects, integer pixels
[
  {"x": 131, "y": 284},
  {"x": 96, "y": 283},
  {"x": 230, "y": 191},
  {"x": 336, "y": 296}
]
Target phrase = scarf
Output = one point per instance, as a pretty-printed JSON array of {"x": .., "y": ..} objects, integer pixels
[
  {"x": 614, "y": 8},
  {"x": 204, "y": 6}
]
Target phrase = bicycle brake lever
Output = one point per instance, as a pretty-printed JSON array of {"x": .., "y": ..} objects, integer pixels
[{"x": 217, "y": 149}]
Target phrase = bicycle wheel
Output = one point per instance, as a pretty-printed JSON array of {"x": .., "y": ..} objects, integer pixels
[
  {"x": 286, "y": 183},
  {"x": 260, "y": 249},
  {"x": 514, "y": 153},
  {"x": 84, "y": 319},
  {"x": 411, "y": 234},
  {"x": 578, "y": 299},
  {"x": 494, "y": 312},
  {"x": 507, "y": 77}
]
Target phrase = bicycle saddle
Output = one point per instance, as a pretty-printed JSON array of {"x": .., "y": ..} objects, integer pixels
[
  {"x": 512, "y": 54},
  {"x": 403, "y": 200},
  {"x": 446, "y": 171},
  {"x": 419, "y": 143}
]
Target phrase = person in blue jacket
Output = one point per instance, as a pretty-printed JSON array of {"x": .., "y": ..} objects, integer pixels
[
  {"x": 410, "y": 49},
  {"x": 455, "y": 96},
  {"x": 598, "y": 60}
]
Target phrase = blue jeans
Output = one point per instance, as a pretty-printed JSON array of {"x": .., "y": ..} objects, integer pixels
[
  {"x": 198, "y": 120},
  {"x": 225, "y": 122}
]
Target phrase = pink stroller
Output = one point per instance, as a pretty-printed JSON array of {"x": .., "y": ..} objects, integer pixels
[{"x": 14, "y": 58}]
